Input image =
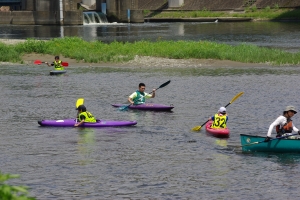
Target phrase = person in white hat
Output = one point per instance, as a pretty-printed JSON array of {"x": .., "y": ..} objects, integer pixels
[
  {"x": 284, "y": 124},
  {"x": 219, "y": 119}
]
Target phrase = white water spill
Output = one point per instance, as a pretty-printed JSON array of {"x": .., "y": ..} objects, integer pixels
[{"x": 92, "y": 17}]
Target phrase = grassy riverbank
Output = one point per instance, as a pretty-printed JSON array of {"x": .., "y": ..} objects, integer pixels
[
  {"x": 267, "y": 13},
  {"x": 98, "y": 52}
]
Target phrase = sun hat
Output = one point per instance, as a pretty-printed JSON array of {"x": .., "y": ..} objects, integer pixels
[
  {"x": 292, "y": 108},
  {"x": 222, "y": 110}
]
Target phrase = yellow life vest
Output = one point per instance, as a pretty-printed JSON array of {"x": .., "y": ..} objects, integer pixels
[
  {"x": 220, "y": 121},
  {"x": 88, "y": 117},
  {"x": 58, "y": 65}
]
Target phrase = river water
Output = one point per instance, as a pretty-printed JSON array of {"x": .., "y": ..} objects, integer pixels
[
  {"x": 267, "y": 34},
  {"x": 159, "y": 158}
]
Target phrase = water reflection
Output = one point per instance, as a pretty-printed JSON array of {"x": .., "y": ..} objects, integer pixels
[
  {"x": 267, "y": 34},
  {"x": 86, "y": 145}
]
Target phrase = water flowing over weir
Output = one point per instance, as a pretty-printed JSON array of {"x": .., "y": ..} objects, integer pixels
[{"x": 93, "y": 17}]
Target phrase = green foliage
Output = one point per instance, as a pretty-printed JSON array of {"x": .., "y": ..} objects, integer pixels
[
  {"x": 97, "y": 51},
  {"x": 8, "y": 53},
  {"x": 267, "y": 9},
  {"x": 276, "y": 6},
  {"x": 254, "y": 8},
  {"x": 146, "y": 12},
  {"x": 8, "y": 192},
  {"x": 253, "y": 12}
]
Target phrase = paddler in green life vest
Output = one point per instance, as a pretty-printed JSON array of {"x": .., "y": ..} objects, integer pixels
[
  {"x": 84, "y": 116},
  {"x": 139, "y": 96},
  {"x": 219, "y": 119},
  {"x": 57, "y": 64}
]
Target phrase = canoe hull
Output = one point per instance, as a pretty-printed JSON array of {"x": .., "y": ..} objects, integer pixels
[
  {"x": 57, "y": 72},
  {"x": 71, "y": 123},
  {"x": 147, "y": 106},
  {"x": 220, "y": 132},
  {"x": 280, "y": 145}
]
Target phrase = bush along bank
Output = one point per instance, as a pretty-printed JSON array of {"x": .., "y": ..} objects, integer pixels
[{"x": 114, "y": 52}]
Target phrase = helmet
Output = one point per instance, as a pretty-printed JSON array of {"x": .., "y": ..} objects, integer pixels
[
  {"x": 222, "y": 110},
  {"x": 292, "y": 108},
  {"x": 82, "y": 108}
]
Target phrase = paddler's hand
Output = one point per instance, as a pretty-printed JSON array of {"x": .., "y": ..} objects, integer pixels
[
  {"x": 267, "y": 139},
  {"x": 153, "y": 91}
]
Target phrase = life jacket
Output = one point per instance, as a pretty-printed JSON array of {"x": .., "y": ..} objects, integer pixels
[
  {"x": 286, "y": 128},
  {"x": 88, "y": 117},
  {"x": 140, "y": 98},
  {"x": 57, "y": 65},
  {"x": 219, "y": 121}
]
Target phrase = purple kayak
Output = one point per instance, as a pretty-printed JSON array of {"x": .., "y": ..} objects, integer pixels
[
  {"x": 71, "y": 123},
  {"x": 147, "y": 106}
]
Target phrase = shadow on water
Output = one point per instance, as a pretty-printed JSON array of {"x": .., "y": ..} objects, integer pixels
[
  {"x": 290, "y": 15},
  {"x": 287, "y": 159}
]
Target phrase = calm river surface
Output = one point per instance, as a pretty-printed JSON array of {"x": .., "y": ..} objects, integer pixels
[
  {"x": 159, "y": 158},
  {"x": 269, "y": 34}
]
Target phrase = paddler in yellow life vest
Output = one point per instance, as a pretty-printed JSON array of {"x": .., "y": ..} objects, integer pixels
[
  {"x": 284, "y": 124},
  {"x": 139, "y": 96},
  {"x": 84, "y": 116},
  {"x": 219, "y": 119},
  {"x": 57, "y": 64}
]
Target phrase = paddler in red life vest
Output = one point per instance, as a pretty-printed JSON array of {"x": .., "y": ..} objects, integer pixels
[
  {"x": 284, "y": 124},
  {"x": 84, "y": 116},
  {"x": 57, "y": 64},
  {"x": 139, "y": 96},
  {"x": 219, "y": 119}
]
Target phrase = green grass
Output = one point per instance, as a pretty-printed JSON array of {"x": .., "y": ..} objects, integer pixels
[
  {"x": 11, "y": 192},
  {"x": 253, "y": 12},
  {"x": 99, "y": 52}
]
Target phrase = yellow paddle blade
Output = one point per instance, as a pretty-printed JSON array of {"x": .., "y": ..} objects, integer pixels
[
  {"x": 79, "y": 102},
  {"x": 236, "y": 96},
  {"x": 196, "y": 128}
]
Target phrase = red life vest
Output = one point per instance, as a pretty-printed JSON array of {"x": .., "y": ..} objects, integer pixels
[{"x": 287, "y": 127}]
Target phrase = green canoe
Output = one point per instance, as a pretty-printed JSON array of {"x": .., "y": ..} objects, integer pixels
[{"x": 255, "y": 143}]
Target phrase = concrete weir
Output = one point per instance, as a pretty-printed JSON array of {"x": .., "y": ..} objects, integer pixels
[{"x": 67, "y": 12}]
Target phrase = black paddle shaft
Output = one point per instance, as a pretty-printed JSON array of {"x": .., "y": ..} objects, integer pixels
[{"x": 162, "y": 85}]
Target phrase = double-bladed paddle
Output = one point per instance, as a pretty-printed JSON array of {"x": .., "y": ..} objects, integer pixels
[
  {"x": 161, "y": 86},
  {"x": 38, "y": 62},
  {"x": 197, "y": 128},
  {"x": 79, "y": 102}
]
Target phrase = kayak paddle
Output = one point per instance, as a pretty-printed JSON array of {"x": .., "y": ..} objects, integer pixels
[
  {"x": 38, "y": 62},
  {"x": 197, "y": 128},
  {"x": 79, "y": 102},
  {"x": 161, "y": 86}
]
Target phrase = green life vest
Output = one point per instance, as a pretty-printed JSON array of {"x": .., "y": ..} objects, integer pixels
[
  {"x": 58, "y": 66},
  {"x": 220, "y": 121},
  {"x": 88, "y": 117},
  {"x": 140, "y": 98}
]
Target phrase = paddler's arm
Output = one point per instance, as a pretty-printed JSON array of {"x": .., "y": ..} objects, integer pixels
[
  {"x": 48, "y": 64},
  {"x": 153, "y": 93},
  {"x": 81, "y": 122},
  {"x": 130, "y": 101},
  {"x": 131, "y": 97}
]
